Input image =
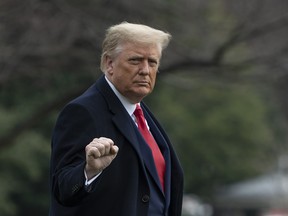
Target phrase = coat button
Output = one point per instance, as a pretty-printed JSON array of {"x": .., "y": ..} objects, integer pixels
[{"x": 145, "y": 198}]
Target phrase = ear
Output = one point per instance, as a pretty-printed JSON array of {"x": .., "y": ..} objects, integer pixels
[{"x": 109, "y": 64}]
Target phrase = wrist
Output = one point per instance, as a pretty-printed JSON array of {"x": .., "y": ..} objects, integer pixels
[{"x": 91, "y": 173}]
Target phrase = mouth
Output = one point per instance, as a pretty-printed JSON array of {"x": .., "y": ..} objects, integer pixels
[{"x": 142, "y": 83}]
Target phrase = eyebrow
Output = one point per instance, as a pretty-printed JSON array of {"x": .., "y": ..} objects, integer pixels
[{"x": 140, "y": 57}]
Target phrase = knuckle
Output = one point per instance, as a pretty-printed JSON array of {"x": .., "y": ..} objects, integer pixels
[{"x": 87, "y": 148}]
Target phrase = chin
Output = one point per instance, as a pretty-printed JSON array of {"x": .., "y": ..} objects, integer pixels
[{"x": 144, "y": 92}]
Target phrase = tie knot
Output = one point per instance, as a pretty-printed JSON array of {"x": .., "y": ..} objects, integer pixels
[{"x": 138, "y": 111}]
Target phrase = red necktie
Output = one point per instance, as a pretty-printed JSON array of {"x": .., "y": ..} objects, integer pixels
[{"x": 158, "y": 157}]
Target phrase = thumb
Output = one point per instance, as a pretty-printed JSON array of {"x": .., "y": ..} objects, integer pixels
[{"x": 114, "y": 150}]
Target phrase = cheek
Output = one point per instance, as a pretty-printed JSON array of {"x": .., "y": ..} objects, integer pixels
[{"x": 153, "y": 78}]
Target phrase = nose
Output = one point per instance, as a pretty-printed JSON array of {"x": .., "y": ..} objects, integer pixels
[{"x": 145, "y": 69}]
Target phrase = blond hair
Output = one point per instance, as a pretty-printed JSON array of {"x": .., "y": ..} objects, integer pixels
[{"x": 132, "y": 33}]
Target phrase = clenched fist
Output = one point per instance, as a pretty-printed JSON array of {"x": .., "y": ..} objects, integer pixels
[{"x": 99, "y": 154}]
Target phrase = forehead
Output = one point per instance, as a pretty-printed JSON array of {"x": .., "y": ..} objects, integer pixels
[{"x": 151, "y": 50}]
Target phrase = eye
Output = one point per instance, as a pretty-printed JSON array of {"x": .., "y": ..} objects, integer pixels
[
  {"x": 134, "y": 61},
  {"x": 153, "y": 63}
]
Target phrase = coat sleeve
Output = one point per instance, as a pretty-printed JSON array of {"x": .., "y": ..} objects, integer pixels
[{"x": 74, "y": 129}]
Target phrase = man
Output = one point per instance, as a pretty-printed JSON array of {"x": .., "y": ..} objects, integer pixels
[{"x": 108, "y": 158}]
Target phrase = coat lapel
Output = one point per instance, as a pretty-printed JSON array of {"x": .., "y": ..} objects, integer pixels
[
  {"x": 148, "y": 159},
  {"x": 125, "y": 124},
  {"x": 163, "y": 147},
  {"x": 120, "y": 117}
]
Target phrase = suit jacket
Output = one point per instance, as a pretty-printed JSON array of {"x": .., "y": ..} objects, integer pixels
[{"x": 125, "y": 187}]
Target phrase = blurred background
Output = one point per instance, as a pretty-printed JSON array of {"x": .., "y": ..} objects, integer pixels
[{"x": 221, "y": 95}]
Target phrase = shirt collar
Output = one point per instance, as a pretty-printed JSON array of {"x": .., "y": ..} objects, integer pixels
[{"x": 130, "y": 107}]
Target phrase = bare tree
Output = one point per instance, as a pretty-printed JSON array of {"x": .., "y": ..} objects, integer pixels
[{"x": 39, "y": 39}]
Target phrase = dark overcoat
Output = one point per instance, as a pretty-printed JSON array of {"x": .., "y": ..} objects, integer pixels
[{"x": 123, "y": 188}]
